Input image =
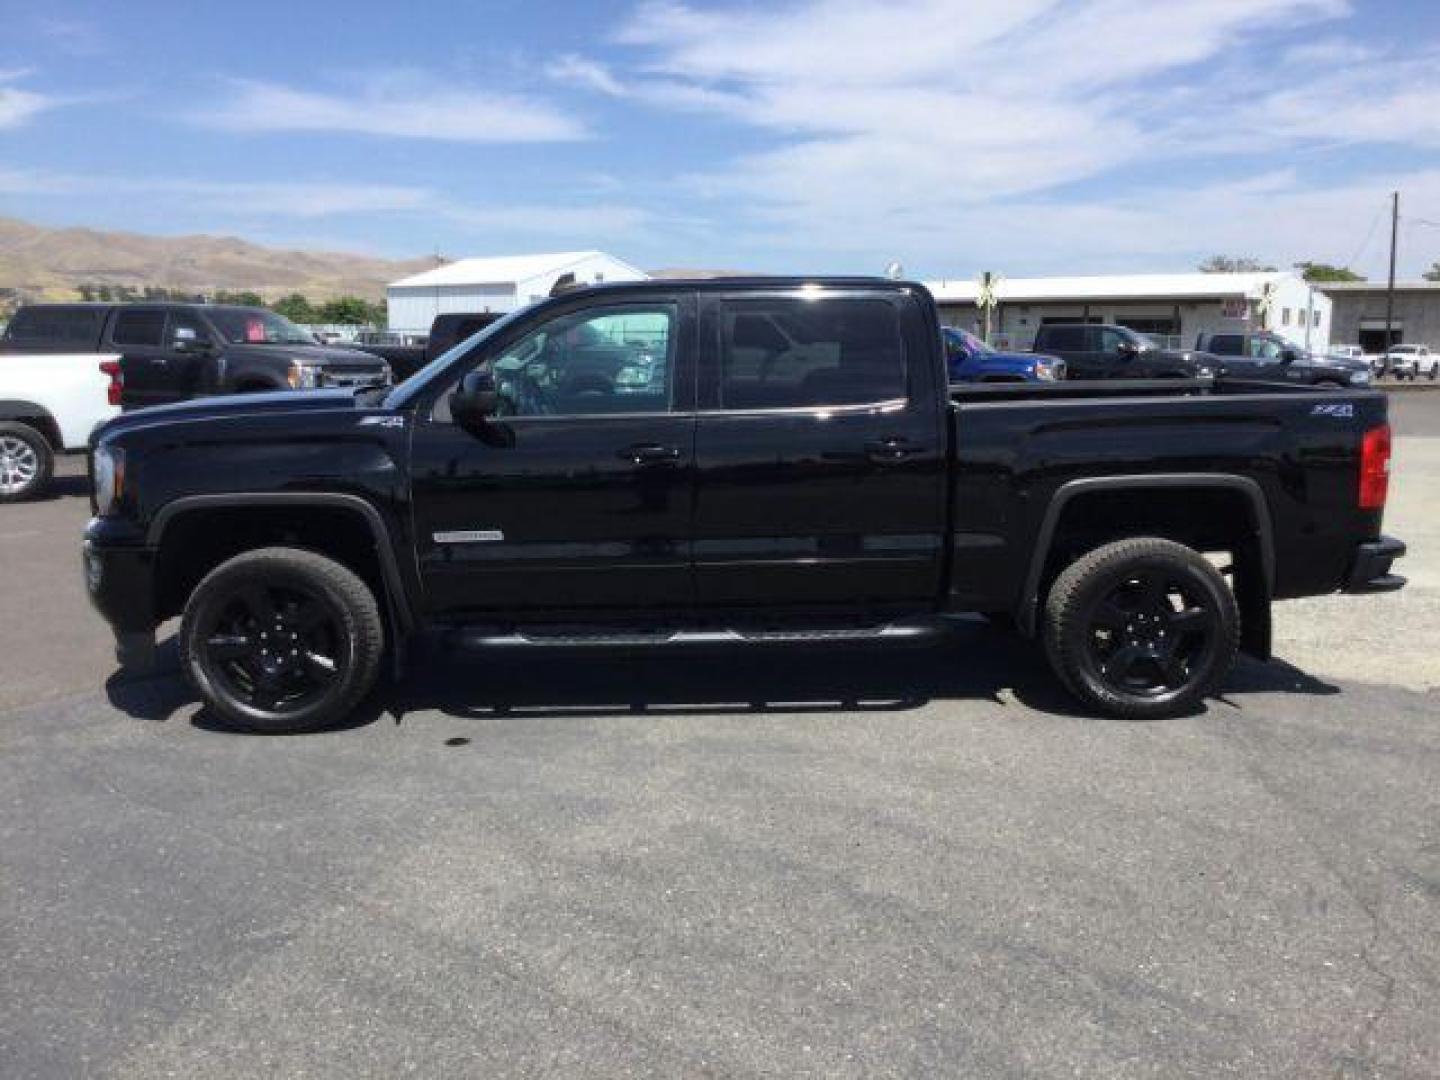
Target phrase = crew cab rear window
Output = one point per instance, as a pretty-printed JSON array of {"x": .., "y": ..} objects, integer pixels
[
  {"x": 1227, "y": 344},
  {"x": 56, "y": 326},
  {"x": 784, "y": 354},
  {"x": 1062, "y": 337},
  {"x": 144, "y": 327}
]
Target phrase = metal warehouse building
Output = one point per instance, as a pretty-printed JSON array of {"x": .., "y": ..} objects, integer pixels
[
  {"x": 1358, "y": 317},
  {"x": 502, "y": 283},
  {"x": 1173, "y": 308}
]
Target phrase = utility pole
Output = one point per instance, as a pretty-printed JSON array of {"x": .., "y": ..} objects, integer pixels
[{"x": 1390, "y": 288}]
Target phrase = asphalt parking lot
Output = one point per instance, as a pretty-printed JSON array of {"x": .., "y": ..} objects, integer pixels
[{"x": 764, "y": 863}]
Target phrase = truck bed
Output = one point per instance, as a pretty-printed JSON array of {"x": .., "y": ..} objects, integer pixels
[{"x": 1022, "y": 450}]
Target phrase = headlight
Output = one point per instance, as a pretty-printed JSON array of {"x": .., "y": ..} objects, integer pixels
[
  {"x": 1205, "y": 373},
  {"x": 109, "y": 478},
  {"x": 1360, "y": 376},
  {"x": 303, "y": 376}
]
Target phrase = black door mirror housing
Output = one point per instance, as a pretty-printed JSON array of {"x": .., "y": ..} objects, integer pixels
[
  {"x": 475, "y": 400},
  {"x": 1288, "y": 356}
]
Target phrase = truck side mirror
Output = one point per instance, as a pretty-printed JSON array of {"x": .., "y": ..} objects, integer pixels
[
  {"x": 474, "y": 401},
  {"x": 1288, "y": 356},
  {"x": 1126, "y": 349}
]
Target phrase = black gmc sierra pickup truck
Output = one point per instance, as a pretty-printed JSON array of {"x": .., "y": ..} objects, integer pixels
[
  {"x": 729, "y": 462},
  {"x": 174, "y": 352}
]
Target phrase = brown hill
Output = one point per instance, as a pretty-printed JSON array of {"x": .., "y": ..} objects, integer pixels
[{"x": 38, "y": 262}]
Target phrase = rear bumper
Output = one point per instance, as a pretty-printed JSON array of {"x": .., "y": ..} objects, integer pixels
[{"x": 1370, "y": 572}]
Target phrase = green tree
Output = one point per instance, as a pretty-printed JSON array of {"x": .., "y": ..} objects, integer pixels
[
  {"x": 347, "y": 311},
  {"x": 1433, "y": 274},
  {"x": 87, "y": 292},
  {"x": 1232, "y": 264},
  {"x": 295, "y": 308},
  {"x": 1314, "y": 271},
  {"x": 243, "y": 298}
]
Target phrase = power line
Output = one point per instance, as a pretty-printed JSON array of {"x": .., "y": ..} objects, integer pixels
[{"x": 1379, "y": 213}]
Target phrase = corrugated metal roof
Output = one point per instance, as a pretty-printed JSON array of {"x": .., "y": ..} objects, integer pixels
[
  {"x": 1111, "y": 287},
  {"x": 502, "y": 269}
]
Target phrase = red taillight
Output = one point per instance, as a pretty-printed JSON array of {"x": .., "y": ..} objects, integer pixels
[
  {"x": 117, "y": 380},
  {"x": 1375, "y": 468}
]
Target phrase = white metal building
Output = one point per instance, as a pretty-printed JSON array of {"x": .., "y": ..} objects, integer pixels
[
  {"x": 1173, "y": 308},
  {"x": 500, "y": 283}
]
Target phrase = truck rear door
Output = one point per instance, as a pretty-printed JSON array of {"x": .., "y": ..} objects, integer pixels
[{"x": 820, "y": 454}]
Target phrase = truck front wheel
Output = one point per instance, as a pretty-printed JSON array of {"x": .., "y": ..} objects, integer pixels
[
  {"x": 1142, "y": 628},
  {"x": 282, "y": 640}
]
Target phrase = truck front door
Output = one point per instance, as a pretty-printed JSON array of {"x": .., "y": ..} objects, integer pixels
[
  {"x": 577, "y": 495},
  {"x": 820, "y": 453}
]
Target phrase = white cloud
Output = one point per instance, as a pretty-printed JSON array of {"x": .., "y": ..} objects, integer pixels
[
  {"x": 310, "y": 200},
  {"x": 963, "y": 131},
  {"x": 394, "y": 107},
  {"x": 587, "y": 74},
  {"x": 17, "y": 105}
]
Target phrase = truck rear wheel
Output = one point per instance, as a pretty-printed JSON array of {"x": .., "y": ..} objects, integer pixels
[
  {"x": 26, "y": 462},
  {"x": 1142, "y": 628},
  {"x": 282, "y": 640}
]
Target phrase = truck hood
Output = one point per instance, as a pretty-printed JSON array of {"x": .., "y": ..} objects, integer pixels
[
  {"x": 230, "y": 406},
  {"x": 320, "y": 355}
]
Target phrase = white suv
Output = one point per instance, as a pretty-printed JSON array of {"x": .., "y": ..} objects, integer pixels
[{"x": 1412, "y": 361}]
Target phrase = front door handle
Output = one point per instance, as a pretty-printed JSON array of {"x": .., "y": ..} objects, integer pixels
[
  {"x": 651, "y": 454},
  {"x": 890, "y": 450}
]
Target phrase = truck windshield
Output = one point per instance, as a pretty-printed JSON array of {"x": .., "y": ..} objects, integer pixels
[
  {"x": 256, "y": 326},
  {"x": 966, "y": 342}
]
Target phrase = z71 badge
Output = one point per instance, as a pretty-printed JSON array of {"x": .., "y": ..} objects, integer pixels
[
  {"x": 382, "y": 421},
  {"x": 1340, "y": 410}
]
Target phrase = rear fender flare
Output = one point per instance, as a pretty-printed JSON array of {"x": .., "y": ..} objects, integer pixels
[{"x": 1027, "y": 611}]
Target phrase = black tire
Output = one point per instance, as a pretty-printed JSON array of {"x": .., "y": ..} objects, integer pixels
[
  {"x": 1119, "y": 641},
  {"x": 27, "y": 462},
  {"x": 281, "y": 640}
]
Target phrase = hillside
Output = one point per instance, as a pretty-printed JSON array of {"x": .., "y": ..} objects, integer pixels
[{"x": 40, "y": 262}]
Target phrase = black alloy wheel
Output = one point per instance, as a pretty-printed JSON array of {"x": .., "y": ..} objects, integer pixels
[
  {"x": 282, "y": 640},
  {"x": 1141, "y": 628}
]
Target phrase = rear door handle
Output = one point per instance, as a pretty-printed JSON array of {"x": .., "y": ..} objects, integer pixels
[
  {"x": 651, "y": 454},
  {"x": 890, "y": 450}
]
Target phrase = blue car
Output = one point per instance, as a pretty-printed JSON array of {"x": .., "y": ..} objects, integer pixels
[{"x": 971, "y": 360}]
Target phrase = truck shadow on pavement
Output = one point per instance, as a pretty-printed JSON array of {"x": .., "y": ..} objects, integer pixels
[{"x": 974, "y": 662}]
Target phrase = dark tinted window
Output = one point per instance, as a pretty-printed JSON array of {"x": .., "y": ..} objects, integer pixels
[
  {"x": 777, "y": 354},
  {"x": 142, "y": 327},
  {"x": 75, "y": 326},
  {"x": 1063, "y": 337},
  {"x": 1226, "y": 344},
  {"x": 184, "y": 320}
]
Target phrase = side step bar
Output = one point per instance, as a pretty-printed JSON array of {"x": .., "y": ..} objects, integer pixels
[{"x": 542, "y": 638}]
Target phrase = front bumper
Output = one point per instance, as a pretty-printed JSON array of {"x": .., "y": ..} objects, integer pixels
[
  {"x": 120, "y": 581},
  {"x": 1370, "y": 572}
]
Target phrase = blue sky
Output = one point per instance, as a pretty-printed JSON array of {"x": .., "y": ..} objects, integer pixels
[{"x": 1023, "y": 136}]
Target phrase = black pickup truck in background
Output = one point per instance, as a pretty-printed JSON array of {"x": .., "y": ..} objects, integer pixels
[
  {"x": 1264, "y": 356},
  {"x": 447, "y": 331},
  {"x": 1096, "y": 351},
  {"x": 728, "y": 463},
  {"x": 172, "y": 352}
]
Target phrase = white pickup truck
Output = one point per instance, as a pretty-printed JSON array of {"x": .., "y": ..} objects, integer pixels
[{"x": 50, "y": 403}]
